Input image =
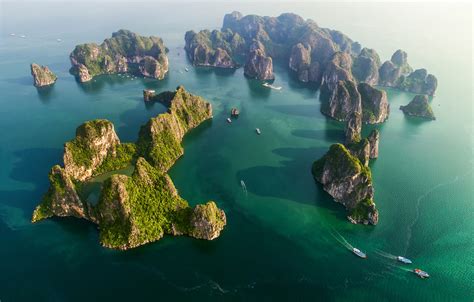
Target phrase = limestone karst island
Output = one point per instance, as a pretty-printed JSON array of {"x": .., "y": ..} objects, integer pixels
[{"x": 236, "y": 151}]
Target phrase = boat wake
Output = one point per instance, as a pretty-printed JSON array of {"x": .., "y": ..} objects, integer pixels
[
  {"x": 385, "y": 254},
  {"x": 335, "y": 234},
  {"x": 244, "y": 187},
  {"x": 423, "y": 196}
]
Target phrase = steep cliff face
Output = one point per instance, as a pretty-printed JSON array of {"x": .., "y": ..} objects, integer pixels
[
  {"x": 125, "y": 51},
  {"x": 62, "y": 199},
  {"x": 349, "y": 182},
  {"x": 215, "y": 49},
  {"x": 94, "y": 141},
  {"x": 353, "y": 127},
  {"x": 374, "y": 138},
  {"x": 419, "y": 107},
  {"x": 259, "y": 66},
  {"x": 141, "y": 208},
  {"x": 42, "y": 76},
  {"x": 375, "y": 107},
  {"x": 366, "y": 67},
  {"x": 339, "y": 93},
  {"x": 307, "y": 70}
]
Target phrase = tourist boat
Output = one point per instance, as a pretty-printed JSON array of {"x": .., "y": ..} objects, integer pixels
[
  {"x": 404, "y": 260},
  {"x": 23, "y": 36},
  {"x": 59, "y": 40},
  {"x": 420, "y": 273},
  {"x": 186, "y": 69},
  {"x": 229, "y": 120},
  {"x": 258, "y": 131},
  {"x": 359, "y": 253},
  {"x": 12, "y": 34},
  {"x": 271, "y": 86},
  {"x": 234, "y": 112}
]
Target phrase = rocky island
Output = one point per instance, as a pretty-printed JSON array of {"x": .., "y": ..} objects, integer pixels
[
  {"x": 124, "y": 52},
  {"x": 345, "y": 174},
  {"x": 420, "y": 107},
  {"x": 42, "y": 75},
  {"x": 135, "y": 209}
]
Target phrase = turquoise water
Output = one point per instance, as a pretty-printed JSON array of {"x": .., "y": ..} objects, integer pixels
[{"x": 284, "y": 238}]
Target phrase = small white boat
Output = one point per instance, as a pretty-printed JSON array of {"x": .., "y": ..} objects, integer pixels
[
  {"x": 404, "y": 260},
  {"x": 186, "y": 69},
  {"x": 22, "y": 36},
  {"x": 421, "y": 274},
  {"x": 229, "y": 120},
  {"x": 359, "y": 253},
  {"x": 12, "y": 34},
  {"x": 258, "y": 131},
  {"x": 271, "y": 86},
  {"x": 59, "y": 40}
]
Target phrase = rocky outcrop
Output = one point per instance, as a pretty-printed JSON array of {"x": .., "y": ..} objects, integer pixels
[
  {"x": 374, "y": 138},
  {"x": 339, "y": 93},
  {"x": 141, "y": 208},
  {"x": 259, "y": 66},
  {"x": 397, "y": 73},
  {"x": 94, "y": 141},
  {"x": 419, "y": 107},
  {"x": 375, "y": 107},
  {"x": 419, "y": 82},
  {"x": 207, "y": 221},
  {"x": 148, "y": 94},
  {"x": 42, "y": 76},
  {"x": 62, "y": 199},
  {"x": 390, "y": 72},
  {"x": 349, "y": 182},
  {"x": 353, "y": 127},
  {"x": 300, "y": 62},
  {"x": 124, "y": 52},
  {"x": 366, "y": 67},
  {"x": 162, "y": 135},
  {"x": 214, "y": 49}
]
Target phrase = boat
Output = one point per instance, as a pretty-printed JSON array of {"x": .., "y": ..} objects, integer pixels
[
  {"x": 23, "y": 36},
  {"x": 258, "y": 131},
  {"x": 404, "y": 260},
  {"x": 271, "y": 86},
  {"x": 186, "y": 69},
  {"x": 359, "y": 253},
  {"x": 59, "y": 40},
  {"x": 229, "y": 120},
  {"x": 421, "y": 274},
  {"x": 12, "y": 34},
  {"x": 234, "y": 112}
]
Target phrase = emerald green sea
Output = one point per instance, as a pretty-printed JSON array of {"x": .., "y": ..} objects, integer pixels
[{"x": 284, "y": 237}]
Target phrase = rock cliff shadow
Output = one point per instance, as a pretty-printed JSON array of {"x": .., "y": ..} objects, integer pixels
[
  {"x": 298, "y": 110},
  {"x": 32, "y": 166},
  {"x": 291, "y": 180},
  {"x": 327, "y": 134},
  {"x": 134, "y": 118},
  {"x": 257, "y": 91},
  {"x": 46, "y": 94}
]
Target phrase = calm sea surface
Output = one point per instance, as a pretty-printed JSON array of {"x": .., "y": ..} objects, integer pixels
[{"x": 285, "y": 238}]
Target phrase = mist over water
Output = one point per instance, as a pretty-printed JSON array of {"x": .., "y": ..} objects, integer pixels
[{"x": 286, "y": 239}]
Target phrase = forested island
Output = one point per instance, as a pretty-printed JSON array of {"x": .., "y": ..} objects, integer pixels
[
  {"x": 141, "y": 208},
  {"x": 124, "y": 52}
]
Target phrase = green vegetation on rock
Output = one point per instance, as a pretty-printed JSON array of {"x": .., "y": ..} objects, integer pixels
[
  {"x": 124, "y": 52},
  {"x": 141, "y": 208}
]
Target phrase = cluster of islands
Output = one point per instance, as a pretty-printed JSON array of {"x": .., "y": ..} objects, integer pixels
[{"x": 142, "y": 207}]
